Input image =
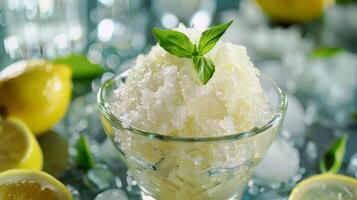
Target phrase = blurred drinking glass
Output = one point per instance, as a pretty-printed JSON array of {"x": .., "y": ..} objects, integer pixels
[
  {"x": 44, "y": 28},
  {"x": 197, "y": 13}
]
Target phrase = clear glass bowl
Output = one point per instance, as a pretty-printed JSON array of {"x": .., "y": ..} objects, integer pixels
[{"x": 209, "y": 168}]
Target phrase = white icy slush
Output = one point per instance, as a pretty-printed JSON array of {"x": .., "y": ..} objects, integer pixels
[{"x": 162, "y": 93}]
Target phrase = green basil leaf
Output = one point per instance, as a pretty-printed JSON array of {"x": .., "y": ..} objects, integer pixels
[
  {"x": 333, "y": 157},
  {"x": 326, "y": 52},
  {"x": 204, "y": 67},
  {"x": 82, "y": 68},
  {"x": 84, "y": 157},
  {"x": 210, "y": 37},
  {"x": 174, "y": 42}
]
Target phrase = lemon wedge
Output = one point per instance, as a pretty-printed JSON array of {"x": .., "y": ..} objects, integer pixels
[
  {"x": 18, "y": 147},
  {"x": 23, "y": 184},
  {"x": 326, "y": 187}
]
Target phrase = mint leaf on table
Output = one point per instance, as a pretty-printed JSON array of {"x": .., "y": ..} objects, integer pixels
[
  {"x": 84, "y": 159},
  {"x": 333, "y": 157},
  {"x": 210, "y": 37},
  {"x": 174, "y": 42},
  {"x": 82, "y": 68},
  {"x": 326, "y": 52},
  {"x": 178, "y": 44},
  {"x": 204, "y": 68}
]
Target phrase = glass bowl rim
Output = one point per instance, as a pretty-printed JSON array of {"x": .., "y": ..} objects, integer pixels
[{"x": 235, "y": 136}]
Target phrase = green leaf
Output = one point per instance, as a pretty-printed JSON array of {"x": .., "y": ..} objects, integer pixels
[
  {"x": 174, "y": 42},
  {"x": 210, "y": 37},
  {"x": 204, "y": 68},
  {"x": 326, "y": 52},
  {"x": 82, "y": 68},
  {"x": 84, "y": 157},
  {"x": 333, "y": 157}
]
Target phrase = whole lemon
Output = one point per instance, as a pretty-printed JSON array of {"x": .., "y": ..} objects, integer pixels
[
  {"x": 294, "y": 11},
  {"x": 36, "y": 92}
]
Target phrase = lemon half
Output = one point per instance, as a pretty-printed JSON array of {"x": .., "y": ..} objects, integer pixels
[
  {"x": 37, "y": 92},
  {"x": 326, "y": 187},
  {"x": 31, "y": 185},
  {"x": 294, "y": 10},
  {"x": 18, "y": 147}
]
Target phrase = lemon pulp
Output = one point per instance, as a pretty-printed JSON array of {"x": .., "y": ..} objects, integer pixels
[
  {"x": 31, "y": 185},
  {"x": 326, "y": 187},
  {"x": 26, "y": 190}
]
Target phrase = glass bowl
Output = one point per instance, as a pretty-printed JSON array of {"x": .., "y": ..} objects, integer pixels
[{"x": 196, "y": 168}]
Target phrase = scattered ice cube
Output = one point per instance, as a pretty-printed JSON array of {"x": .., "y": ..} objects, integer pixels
[
  {"x": 251, "y": 29},
  {"x": 273, "y": 69},
  {"x": 74, "y": 192},
  {"x": 96, "y": 84},
  {"x": 294, "y": 118},
  {"x": 112, "y": 194},
  {"x": 106, "y": 76},
  {"x": 83, "y": 116},
  {"x": 340, "y": 27},
  {"x": 329, "y": 87},
  {"x": 311, "y": 151},
  {"x": 280, "y": 163},
  {"x": 269, "y": 195},
  {"x": 101, "y": 177},
  {"x": 352, "y": 166},
  {"x": 107, "y": 150}
]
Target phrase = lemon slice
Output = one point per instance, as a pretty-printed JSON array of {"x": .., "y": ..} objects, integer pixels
[
  {"x": 326, "y": 187},
  {"x": 18, "y": 146},
  {"x": 21, "y": 184}
]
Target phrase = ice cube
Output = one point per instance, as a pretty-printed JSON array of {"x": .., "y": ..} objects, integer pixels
[
  {"x": 280, "y": 163},
  {"x": 112, "y": 194},
  {"x": 352, "y": 166},
  {"x": 107, "y": 150},
  {"x": 333, "y": 100},
  {"x": 339, "y": 28},
  {"x": 269, "y": 195},
  {"x": 294, "y": 117},
  {"x": 311, "y": 151}
]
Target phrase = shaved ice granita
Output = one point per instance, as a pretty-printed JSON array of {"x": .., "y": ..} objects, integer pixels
[{"x": 192, "y": 117}]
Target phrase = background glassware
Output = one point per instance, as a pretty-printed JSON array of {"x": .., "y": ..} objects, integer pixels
[
  {"x": 44, "y": 28},
  {"x": 198, "y": 13},
  {"x": 118, "y": 31},
  {"x": 167, "y": 167}
]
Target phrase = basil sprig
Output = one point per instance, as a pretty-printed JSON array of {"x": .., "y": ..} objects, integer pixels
[
  {"x": 178, "y": 44},
  {"x": 333, "y": 157}
]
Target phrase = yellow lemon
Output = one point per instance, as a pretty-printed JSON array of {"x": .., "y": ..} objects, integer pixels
[
  {"x": 18, "y": 146},
  {"x": 31, "y": 185},
  {"x": 37, "y": 92},
  {"x": 326, "y": 187},
  {"x": 294, "y": 10}
]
